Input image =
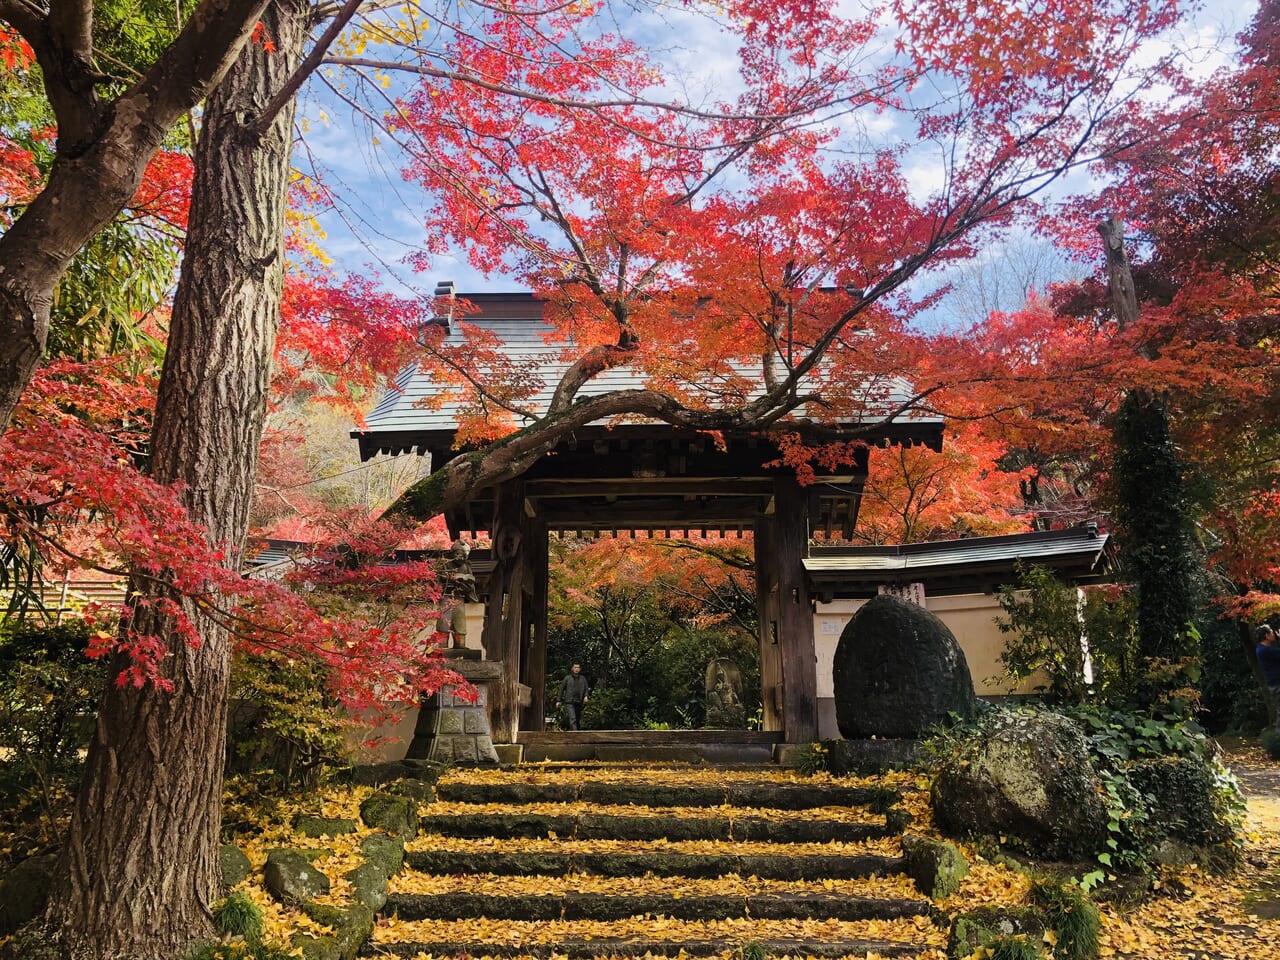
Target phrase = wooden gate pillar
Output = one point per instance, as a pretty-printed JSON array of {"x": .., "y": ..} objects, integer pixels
[
  {"x": 534, "y": 716},
  {"x": 503, "y": 616},
  {"x": 795, "y": 615},
  {"x": 767, "y": 618}
]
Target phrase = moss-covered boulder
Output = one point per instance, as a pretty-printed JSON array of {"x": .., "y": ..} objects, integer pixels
[
  {"x": 313, "y": 826},
  {"x": 30, "y": 942},
  {"x": 24, "y": 891},
  {"x": 369, "y": 885},
  {"x": 233, "y": 864},
  {"x": 898, "y": 672},
  {"x": 936, "y": 867},
  {"x": 1027, "y": 777},
  {"x": 380, "y": 774},
  {"x": 384, "y": 852},
  {"x": 290, "y": 877},
  {"x": 417, "y": 790},
  {"x": 351, "y": 925},
  {"x": 317, "y": 948},
  {"x": 985, "y": 926},
  {"x": 398, "y": 816}
]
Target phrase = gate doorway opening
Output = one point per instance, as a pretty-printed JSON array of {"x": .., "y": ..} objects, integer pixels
[{"x": 665, "y": 630}]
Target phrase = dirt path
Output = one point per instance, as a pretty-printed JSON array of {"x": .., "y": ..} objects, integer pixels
[{"x": 1258, "y": 774}]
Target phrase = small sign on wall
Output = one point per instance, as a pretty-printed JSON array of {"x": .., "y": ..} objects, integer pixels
[{"x": 911, "y": 592}]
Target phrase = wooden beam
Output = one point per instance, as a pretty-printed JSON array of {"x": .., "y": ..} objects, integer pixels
[
  {"x": 633, "y": 486},
  {"x": 535, "y": 660},
  {"x": 647, "y": 513}
]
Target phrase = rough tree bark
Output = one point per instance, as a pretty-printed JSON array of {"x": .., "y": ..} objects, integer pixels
[
  {"x": 140, "y": 862},
  {"x": 103, "y": 151}
]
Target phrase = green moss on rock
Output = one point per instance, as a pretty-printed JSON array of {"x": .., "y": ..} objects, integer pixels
[{"x": 934, "y": 866}]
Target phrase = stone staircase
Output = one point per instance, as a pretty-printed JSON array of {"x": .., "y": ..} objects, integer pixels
[{"x": 600, "y": 860}]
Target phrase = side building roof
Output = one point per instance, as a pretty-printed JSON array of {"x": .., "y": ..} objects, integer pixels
[{"x": 1077, "y": 555}]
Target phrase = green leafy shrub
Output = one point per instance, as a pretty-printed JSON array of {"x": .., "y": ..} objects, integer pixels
[
  {"x": 1271, "y": 742},
  {"x": 1049, "y": 629},
  {"x": 49, "y": 693},
  {"x": 811, "y": 758},
  {"x": 284, "y": 723},
  {"x": 943, "y": 742},
  {"x": 238, "y": 916},
  {"x": 1163, "y": 778}
]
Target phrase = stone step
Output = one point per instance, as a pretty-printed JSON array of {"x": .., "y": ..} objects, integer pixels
[
  {"x": 600, "y": 948},
  {"x": 650, "y": 746},
  {"x": 595, "y": 906},
  {"x": 782, "y": 866},
  {"x": 777, "y": 796},
  {"x": 507, "y": 826}
]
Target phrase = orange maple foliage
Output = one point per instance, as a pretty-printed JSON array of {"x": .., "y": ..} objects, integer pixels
[
  {"x": 914, "y": 494},
  {"x": 772, "y": 303}
]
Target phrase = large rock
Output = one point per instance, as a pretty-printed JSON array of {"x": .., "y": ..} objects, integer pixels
[
  {"x": 987, "y": 925},
  {"x": 234, "y": 864},
  {"x": 291, "y": 879},
  {"x": 1026, "y": 777},
  {"x": 898, "y": 672},
  {"x": 384, "y": 852},
  {"x": 398, "y": 816},
  {"x": 351, "y": 925},
  {"x": 24, "y": 891},
  {"x": 935, "y": 866}
]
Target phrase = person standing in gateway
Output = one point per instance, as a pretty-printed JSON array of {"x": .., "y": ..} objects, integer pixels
[
  {"x": 1269, "y": 661},
  {"x": 573, "y": 694}
]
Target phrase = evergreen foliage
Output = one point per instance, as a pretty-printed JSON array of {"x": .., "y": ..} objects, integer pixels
[
  {"x": 1048, "y": 626},
  {"x": 1152, "y": 513},
  {"x": 49, "y": 693},
  {"x": 238, "y": 916},
  {"x": 284, "y": 723},
  {"x": 1072, "y": 914}
]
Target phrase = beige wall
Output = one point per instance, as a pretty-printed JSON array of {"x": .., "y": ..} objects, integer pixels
[{"x": 970, "y": 617}]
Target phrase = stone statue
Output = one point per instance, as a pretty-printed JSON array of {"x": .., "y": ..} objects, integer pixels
[
  {"x": 452, "y": 621},
  {"x": 458, "y": 586},
  {"x": 459, "y": 580},
  {"x": 724, "y": 694}
]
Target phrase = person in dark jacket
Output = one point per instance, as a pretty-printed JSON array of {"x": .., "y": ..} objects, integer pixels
[
  {"x": 573, "y": 694},
  {"x": 1269, "y": 661}
]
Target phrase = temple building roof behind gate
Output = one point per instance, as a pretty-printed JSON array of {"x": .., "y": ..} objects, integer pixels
[{"x": 407, "y": 420}]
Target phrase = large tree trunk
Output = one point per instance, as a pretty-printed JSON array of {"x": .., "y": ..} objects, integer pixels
[
  {"x": 103, "y": 150},
  {"x": 141, "y": 856}
]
